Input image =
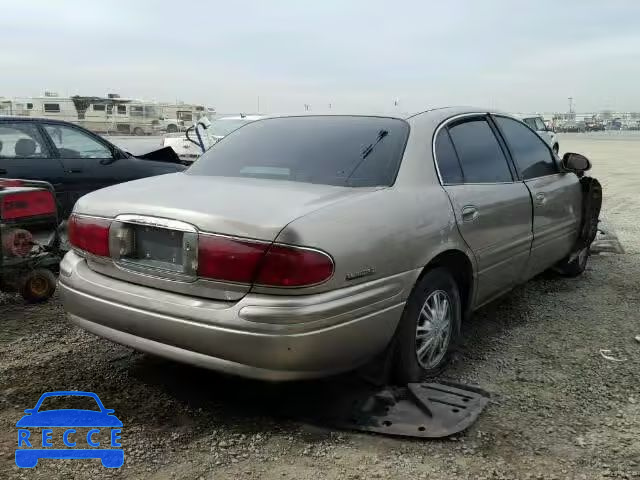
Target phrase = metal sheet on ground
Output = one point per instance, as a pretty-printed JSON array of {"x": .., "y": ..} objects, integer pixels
[{"x": 423, "y": 410}]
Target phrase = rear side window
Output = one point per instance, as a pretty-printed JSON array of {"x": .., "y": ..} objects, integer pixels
[
  {"x": 530, "y": 152},
  {"x": 332, "y": 150},
  {"x": 21, "y": 140},
  {"x": 448, "y": 165},
  {"x": 481, "y": 157}
]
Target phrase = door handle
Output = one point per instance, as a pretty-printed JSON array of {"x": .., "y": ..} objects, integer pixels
[
  {"x": 75, "y": 170},
  {"x": 541, "y": 199},
  {"x": 469, "y": 213}
]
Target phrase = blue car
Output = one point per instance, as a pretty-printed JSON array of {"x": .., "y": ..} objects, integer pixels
[{"x": 27, "y": 455}]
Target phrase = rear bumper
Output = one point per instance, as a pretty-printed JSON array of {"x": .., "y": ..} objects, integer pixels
[{"x": 261, "y": 336}]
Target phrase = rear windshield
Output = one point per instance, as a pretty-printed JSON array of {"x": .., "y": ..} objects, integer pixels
[{"x": 331, "y": 150}]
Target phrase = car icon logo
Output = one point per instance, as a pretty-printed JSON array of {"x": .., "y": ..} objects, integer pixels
[{"x": 101, "y": 439}]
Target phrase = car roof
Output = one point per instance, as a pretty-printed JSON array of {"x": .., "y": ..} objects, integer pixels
[{"x": 442, "y": 112}]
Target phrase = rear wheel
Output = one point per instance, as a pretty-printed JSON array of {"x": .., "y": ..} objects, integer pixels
[
  {"x": 138, "y": 131},
  {"x": 172, "y": 128},
  {"x": 429, "y": 327},
  {"x": 38, "y": 285}
]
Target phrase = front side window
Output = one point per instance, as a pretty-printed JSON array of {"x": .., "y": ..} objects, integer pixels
[
  {"x": 21, "y": 140},
  {"x": 122, "y": 109},
  {"x": 481, "y": 157},
  {"x": 540, "y": 125},
  {"x": 350, "y": 151},
  {"x": 186, "y": 116},
  {"x": 531, "y": 154},
  {"x": 98, "y": 108},
  {"x": 73, "y": 143}
]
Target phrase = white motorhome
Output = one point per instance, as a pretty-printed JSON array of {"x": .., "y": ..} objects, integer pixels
[{"x": 110, "y": 114}]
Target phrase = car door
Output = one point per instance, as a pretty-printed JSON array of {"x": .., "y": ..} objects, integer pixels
[
  {"x": 87, "y": 160},
  {"x": 493, "y": 210},
  {"x": 556, "y": 195},
  {"x": 24, "y": 153}
]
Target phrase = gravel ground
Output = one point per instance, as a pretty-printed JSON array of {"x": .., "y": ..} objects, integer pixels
[{"x": 559, "y": 409}]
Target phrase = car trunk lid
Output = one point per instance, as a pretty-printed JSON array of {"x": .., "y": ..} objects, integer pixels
[{"x": 156, "y": 224}]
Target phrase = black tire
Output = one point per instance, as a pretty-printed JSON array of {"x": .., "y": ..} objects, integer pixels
[
  {"x": 406, "y": 367},
  {"x": 575, "y": 264},
  {"x": 38, "y": 285},
  {"x": 556, "y": 148},
  {"x": 138, "y": 131},
  {"x": 171, "y": 128}
]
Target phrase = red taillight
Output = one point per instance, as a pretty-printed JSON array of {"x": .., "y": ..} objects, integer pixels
[
  {"x": 89, "y": 234},
  {"x": 27, "y": 204},
  {"x": 288, "y": 266},
  {"x": 246, "y": 261},
  {"x": 228, "y": 259}
]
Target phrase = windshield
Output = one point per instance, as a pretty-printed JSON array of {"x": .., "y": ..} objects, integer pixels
[
  {"x": 331, "y": 150},
  {"x": 223, "y": 127}
]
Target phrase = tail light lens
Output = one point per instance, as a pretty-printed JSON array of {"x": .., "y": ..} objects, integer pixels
[
  {"x": 288, "y": 266},
  {"x": 89, "y": 234},
  {"x": 27, "y": 204},
  {"x": 245, "y": 261},
  {"x": 228, "y": 259}
]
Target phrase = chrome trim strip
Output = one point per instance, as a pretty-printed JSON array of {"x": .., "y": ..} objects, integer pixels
[
  {"x": 189, "y": 247},
  {"x": 158, "y": 222}
]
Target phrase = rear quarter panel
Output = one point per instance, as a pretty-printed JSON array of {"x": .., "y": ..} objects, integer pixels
[{"x": 396, "y": 230}]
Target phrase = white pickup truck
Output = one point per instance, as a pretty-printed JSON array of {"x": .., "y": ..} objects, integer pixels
[
  {"x": 210, "y": 132},
  {"x": 548, "y": 135}
]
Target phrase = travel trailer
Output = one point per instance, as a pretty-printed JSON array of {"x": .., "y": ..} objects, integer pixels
[{"x": 110, "y": 114}]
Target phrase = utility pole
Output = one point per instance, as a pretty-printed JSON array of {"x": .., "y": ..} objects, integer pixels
[{"x": 570, "y": 104}]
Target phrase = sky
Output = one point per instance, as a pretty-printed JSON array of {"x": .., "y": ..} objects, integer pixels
[{"x": 275, "y": 56}]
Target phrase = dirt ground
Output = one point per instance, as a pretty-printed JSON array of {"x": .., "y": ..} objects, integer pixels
[{"x": 559, "y": 409}]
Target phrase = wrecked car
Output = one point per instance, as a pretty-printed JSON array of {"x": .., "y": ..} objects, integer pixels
[
  {"x": 29, "y": 241},
  {"x": 73, "y": 159},
  {"x": 304, "y": 246}
]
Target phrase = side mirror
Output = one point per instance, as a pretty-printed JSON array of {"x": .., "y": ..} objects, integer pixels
[
  {"x": 30, "y": 410},
  {"x": 576, "y": 163}
]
